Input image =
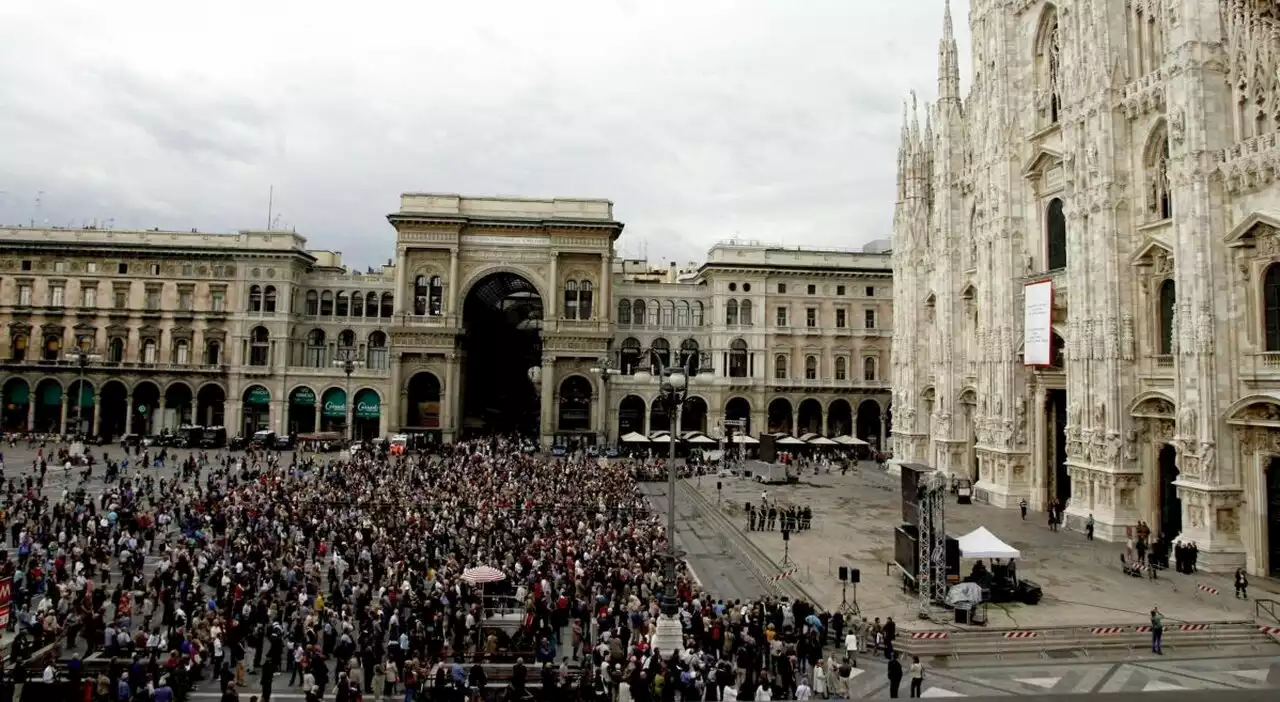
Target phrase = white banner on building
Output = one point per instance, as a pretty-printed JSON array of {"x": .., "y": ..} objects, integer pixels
[{"x": 1037, "y": 347}]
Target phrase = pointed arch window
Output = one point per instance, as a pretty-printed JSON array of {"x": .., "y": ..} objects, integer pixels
[
  {"x": 869, "y": 368},
  {"x": 780, "y": 367},
  {"x": 1048, "y": 67},
  {"x": 1168, "y": 304},
  {"x": 624, "y": 311},
  {"x": 739, "y": 359},
  {"x": 269, "y": 299},
  {"x": 811, "y": 368},
  {"x": 1271, "y": 306},
  {"x": 731, "y": 313},
  {"x": 1056, "y": 234},
  {"x": 255, "y": 298},
  {"x": 842, "y": 368},
  {"x": 1159, "y": 197},
  {"x": 744, "y": 313}
]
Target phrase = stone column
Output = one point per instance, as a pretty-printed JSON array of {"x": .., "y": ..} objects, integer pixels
[
  {"x": 97, "y": 413},
  {"x": 604, "y": 304},
  {"x": 449, "y": 402},
  {"x": 62, "y": 420},
  {"x": 394, "y": 404},
  {"x": 454, "y": 385},
  {"x": 884, "y": 424},
  {"x": 548, "y": 396},
  {"x": 1039, "y": 451},
  {"x": 600, "y": 406},
  {"x": 398, "y": 296},
  {"x": 128, "y": 412},
  {"x": 454, "y": 283},
  {"x": 235, "y": 417},
  {"x": 553, "y": 287},
  {"x": 318, "y": 413},
  {"x": 648, "y": 415},
  {"x": 158, "y": 417},
  {"x": 275, "y": 411}
]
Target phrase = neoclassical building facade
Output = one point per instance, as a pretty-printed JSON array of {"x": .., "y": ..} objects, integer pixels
[
  {"x": 492, "y": 313},
  {"x": 1128, "y": 153}
]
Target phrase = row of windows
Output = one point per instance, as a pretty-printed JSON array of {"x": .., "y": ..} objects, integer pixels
[
  {"x": 327, "y": 304},
  {"x": 56, "y": 296},
  {"x": 782, "y": 367},
  {"x": 123, "y": 268},
  {"x": 812, "y": 318},
  {"x": 149, "y": 349},
  {"x": 667, "y": 313},
  {"x": 315, "y": 352},
  {"x": 810, "y": 289}
]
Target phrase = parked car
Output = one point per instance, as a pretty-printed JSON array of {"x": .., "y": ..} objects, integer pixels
[{"x": 237, "y": 443}]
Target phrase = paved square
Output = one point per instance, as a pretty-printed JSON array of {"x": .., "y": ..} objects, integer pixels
[{"x": 854, "y": 519}]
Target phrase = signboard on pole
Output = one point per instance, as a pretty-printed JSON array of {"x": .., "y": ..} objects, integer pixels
[{"x": 1037, "y": 324}]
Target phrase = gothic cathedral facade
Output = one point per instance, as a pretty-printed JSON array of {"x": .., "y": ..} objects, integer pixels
[{"x": 1127, "y": 151}]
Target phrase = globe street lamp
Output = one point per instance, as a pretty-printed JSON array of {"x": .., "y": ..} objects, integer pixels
[
  {"x": 673, "y": 392},
  {"x": 81, "y": 358},
  {"x": 349, "y": 360}
]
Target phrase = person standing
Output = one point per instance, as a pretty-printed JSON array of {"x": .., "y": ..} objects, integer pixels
[
  {"x": 1022, "y": 507},
  {"x": 1242, "y": 584},
  {"x": 1088, "y": 527},
  {"x": 917, "y": 676},
  {"x": 895, "y": 675},
  {"x": 1157, "y": 630}
]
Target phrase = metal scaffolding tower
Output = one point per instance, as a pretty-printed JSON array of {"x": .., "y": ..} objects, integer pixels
[{"x": 931, "y": 581}]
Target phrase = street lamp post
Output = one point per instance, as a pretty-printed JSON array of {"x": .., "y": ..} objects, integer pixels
[
  {"x": 348, "y": 360},
  {"x": 605, "y": 370},
  {"x": 82, "y": 358},
  {"x": 673, "y": 392}
]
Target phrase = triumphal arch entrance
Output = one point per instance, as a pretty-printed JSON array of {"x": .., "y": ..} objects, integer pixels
[{"x": 502, "y": 310}]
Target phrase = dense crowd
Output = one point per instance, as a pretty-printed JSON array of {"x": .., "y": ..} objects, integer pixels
[{"x": 344, "y": 575}]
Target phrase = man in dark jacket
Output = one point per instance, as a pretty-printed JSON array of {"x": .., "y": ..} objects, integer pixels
[{"x": 895, "y": 675}]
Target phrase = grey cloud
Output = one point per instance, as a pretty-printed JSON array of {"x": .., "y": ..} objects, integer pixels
[{"x": 768, "y": 119}]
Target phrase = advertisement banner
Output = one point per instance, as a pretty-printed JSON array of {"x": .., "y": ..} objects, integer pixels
[
  {"x": 1037, "y": 321},
  {"x": 6, "y": 591}
]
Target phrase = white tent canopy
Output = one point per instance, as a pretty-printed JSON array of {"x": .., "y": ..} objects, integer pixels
[
  {"x": 822, "y": 441},
  {"x": 850, "y": 440},
  {"x": 696, "y": 438},
  {"x": 981, "y": 543},
  {"x": 790, "y": 441},
  {"x": 634, "y": 437}
]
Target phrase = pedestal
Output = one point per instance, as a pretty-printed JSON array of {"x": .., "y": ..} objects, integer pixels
[{"x": 669, "y": 636}]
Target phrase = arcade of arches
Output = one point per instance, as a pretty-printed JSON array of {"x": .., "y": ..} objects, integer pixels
[
  {"x": 836, "y": 418},
  {"x": 107, "y": 407}
]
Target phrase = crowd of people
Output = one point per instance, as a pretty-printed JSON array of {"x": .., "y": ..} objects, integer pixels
[{"x": 345, "y": 576}]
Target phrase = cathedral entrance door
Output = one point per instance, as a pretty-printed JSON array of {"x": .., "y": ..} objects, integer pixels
[
  {"x": 1273, "y": 517},
  {"x": 1170, "y": 503},
  {"x": 1056, "y": 418},
  {"x": 502, "y": 321}
]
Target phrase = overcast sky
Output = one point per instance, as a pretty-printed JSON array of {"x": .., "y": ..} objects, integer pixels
[{"x": 702, "y": 120}]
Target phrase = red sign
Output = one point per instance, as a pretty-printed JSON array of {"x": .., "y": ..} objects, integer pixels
[{"x": 6, "y": 588}]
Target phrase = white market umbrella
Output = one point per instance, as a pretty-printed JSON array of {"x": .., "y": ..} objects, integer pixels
[
  {"x": 481, "y": 575},
  {"x": 634, "y": 437},
  {"x": 850, "y": 441},
  {"x": 790, "y": 441},
  {"x": 700, "y": 439},
  {"x": 822, "y": 441},
  {"x": 808, "y": 437}
]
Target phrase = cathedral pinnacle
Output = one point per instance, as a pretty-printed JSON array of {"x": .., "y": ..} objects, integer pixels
[{"x": 948, "y": 60}]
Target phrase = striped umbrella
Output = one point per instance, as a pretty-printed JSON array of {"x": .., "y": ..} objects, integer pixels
[{"x": 483, "y": 574}]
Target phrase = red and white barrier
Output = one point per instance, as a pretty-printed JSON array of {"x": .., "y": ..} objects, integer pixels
[
  {"x": 1193, "y": 627},
  {"x": 1107, "y": 630},
  {"x": 1020, "y": 634},
  {"x": 784, "y": 575},
  {"x": 1206, "y": 588},
  {"x": 929, "y": 635}
]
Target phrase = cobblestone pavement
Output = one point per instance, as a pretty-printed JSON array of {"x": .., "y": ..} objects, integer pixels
[{"x": 854, "y": 519}]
